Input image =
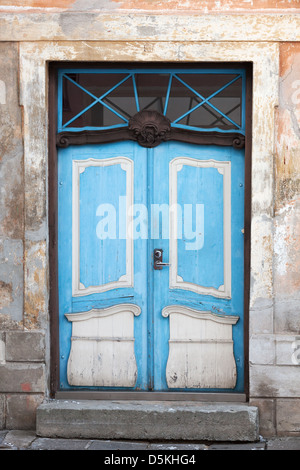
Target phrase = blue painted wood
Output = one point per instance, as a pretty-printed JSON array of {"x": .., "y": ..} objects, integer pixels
[
  {"x": 103, "y": 260},
  {"x": 204, "y": 186},
  {"x": 97, "y": 100},
  {"x": 100, "y": 216},
  {"x": 206, "y": 100}
]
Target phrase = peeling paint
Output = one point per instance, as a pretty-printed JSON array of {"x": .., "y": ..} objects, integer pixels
[
  {"x": 5, "y": 294},
  {"x": 2, "y": 92},
  {"x": 288, "y": 127},
  {"x": 26, "y": 387},
  {"x": 11, "y": 277},
  {"x": 149, "y": 5},
  {"x": 287, "y": 196},
  {"x": 123, "y": 25},
  {"x": 36, "y": 285},
  {"x": 142, "y": 31},
  {"x": 287, "y": 248}
]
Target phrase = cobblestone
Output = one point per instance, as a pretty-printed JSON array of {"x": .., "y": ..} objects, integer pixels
[{"x": 28, "y": 440}]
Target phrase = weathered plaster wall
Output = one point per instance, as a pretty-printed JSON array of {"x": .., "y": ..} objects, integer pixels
[
  {"x": 21, "y": 352},
  {"x": 265, "y": 57},
  {"x": 157, "y": 6},
  {"x": 287, "y": 196},
  {"x": 287, "y": 230},
  {"x": 275, "y": 334},
  {"x": 89, "y": 25},
  {"x": 35, "y": 31},
  {"x": 11, "y": 184}
]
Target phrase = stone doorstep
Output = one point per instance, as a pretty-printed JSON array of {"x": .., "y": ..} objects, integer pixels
[{"x": 148, "y": 420}]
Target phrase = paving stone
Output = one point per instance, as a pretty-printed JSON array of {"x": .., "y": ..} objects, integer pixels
[
  {"x": 2, "y": 435},
  {"x": 19, "y": 439},
  {"x": 138, "y": 445},
  {"x": 177, "y": 446},
  {"x": 3, "y": 445},
  {"x": 59, "y": 444},
  {"x": 26, "y": 439},
  {"x": 118, "y": 445},
  {"x": 238, "y": 446}
]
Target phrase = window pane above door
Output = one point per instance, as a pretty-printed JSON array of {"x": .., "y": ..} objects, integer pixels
[{"x": 198, "y": 99}]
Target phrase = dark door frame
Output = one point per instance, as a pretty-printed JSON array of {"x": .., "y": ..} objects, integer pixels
[{"x": 206, "y": 138}]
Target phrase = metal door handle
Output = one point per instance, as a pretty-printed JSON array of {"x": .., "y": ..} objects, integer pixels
[{"x": 158, "y": 255}]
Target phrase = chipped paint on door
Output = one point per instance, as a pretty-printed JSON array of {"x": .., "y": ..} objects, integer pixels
[{"x": 119, "y": 202}]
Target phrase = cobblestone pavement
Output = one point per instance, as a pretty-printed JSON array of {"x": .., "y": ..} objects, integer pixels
[{"x": 28, "y": 440}]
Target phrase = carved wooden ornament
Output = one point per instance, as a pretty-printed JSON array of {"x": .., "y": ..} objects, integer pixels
[{"x": 150, "y": 128}]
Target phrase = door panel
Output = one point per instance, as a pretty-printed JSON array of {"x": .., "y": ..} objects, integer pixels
[
  {"x": 201, "y": 188},
  {"x": 205, "y": 273},
  {"x": 108, "y": 334},
  {"x": 96, "y": 252},
  {"x": 92, "y": 182},
  {"x": 124, "y": 324}
]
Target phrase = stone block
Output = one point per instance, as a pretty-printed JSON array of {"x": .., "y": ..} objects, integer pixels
[
  {"x": 11, "y": 148},
  {"x": 274, "y": 381},
  {"x": 22, "y": 377},
  {"x": 2, "y": 347},
  {"x": 262, "y": 349},
  {"x": 286, "y": 320},
  {"x": 288, "y": 417},
  {"x": 267, "y": 421},
  {"x": 286, "y": 347},
  {"x": 11, "y": 276},
  {"x": 21, "y": 411},
  {"x": 261, "y": 317},
  {"x": 12, "y": 187},
  {"x": 2, "y": 411},
  {"x": 145, "y": 420},
  {"x": 27, "y": 346}
]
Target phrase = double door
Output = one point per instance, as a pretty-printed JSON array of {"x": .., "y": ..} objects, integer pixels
[{"x": 151, "y": 267}]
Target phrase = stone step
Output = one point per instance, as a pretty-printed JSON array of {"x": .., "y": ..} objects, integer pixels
[{"x": 148, "y": 420}]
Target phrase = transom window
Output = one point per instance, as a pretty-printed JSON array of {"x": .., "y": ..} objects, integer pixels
[{"x": 205, "y": 99}]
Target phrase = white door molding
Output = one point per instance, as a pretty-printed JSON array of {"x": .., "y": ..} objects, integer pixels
[
  {"x": 125, "y": 280},
  {"x": 176, "y": 281}
]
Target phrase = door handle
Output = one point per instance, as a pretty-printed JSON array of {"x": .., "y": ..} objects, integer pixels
[{"x": 158, "y": 256}]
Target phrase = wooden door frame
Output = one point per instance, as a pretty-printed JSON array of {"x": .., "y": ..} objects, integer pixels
[{"x": 53, "y": 236}]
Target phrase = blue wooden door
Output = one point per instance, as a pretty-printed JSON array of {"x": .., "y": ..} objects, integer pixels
[
  {"x": 123, "y": 323},
  {"x": 198, "y": 299},
  {"x": 102, "y": 268}
]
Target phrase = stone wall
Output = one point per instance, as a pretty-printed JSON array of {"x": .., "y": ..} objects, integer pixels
[
  {"x": 132, "y": 30},
  {"x": 275, "y": 336},
  {"x": 22, "y": 350}
]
